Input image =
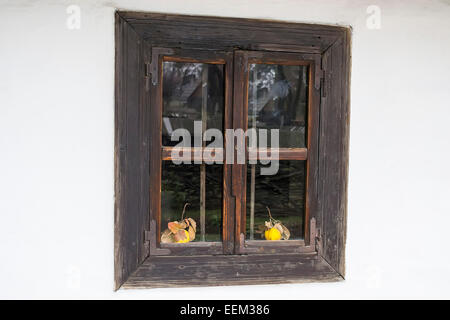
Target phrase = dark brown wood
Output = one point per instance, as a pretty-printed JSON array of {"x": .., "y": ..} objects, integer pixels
[
  {"x": 143, "y": 40},
  {"x": 231, "y": 270},
  {"x": 196, "y": 153},
  {"x": 196, "y": 56},
  {"x": 160, "y": 153},
  {"x": 193, "y": 248},
  {"x": 203, "y": 165},
  {"x": 283, "y": 154},
  {"x": 131, "y": 163},
  {"x": 241, "y": 102},
  {"x": 238, "y": 170},
  {"x": 155, "y": 145},
  {"x": 312, "y": 165},
  {"x": 285, "y": 246},
  {"x": 229, "y": 218},
  {"x": 333, "y": 155},
  {"x": 214, "y": 33}
]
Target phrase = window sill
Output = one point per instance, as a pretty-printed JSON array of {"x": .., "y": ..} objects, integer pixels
[{"x": 165, "y": 272}]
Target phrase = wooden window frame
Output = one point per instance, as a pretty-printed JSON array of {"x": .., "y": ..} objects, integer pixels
[
  {"x": 161, "y": 153},
  {"x": 143, "y": 40},
  {"x": 309, "y": 154}
]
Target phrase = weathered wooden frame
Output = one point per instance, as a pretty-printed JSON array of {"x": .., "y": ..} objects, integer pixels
[
  {"x": 159, "y": 151},
  {"x": 308, "y": 154},
  {"x": 137, "y": 35}
]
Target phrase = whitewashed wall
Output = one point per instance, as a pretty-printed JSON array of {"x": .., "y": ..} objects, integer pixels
[{"x": 57, "y": 136}]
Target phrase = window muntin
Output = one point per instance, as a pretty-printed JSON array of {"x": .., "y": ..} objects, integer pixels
[{"x": 195, "y": 90}]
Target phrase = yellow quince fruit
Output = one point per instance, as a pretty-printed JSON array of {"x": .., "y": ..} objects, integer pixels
[
  {"x": 272, "y": 234},
  {"x": 186, "y": 237}
]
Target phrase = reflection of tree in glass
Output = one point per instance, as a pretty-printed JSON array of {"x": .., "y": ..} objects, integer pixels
[
  {"x": 183, "y": 96},
  {"x": 281, "y": 94},
  {"x": 182, "y": 84}
]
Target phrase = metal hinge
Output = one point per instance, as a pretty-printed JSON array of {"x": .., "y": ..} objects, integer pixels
[
  {"x": 151, "y": 67},
  {"x": 147, "y": 236},
  {"x": 324, "y": 75},
  {"x": 323, "y": 83},
  {"x": 314, "y": 238},
  {"x": 318, "y": 241},
  {"x": 147, "y": 75}
]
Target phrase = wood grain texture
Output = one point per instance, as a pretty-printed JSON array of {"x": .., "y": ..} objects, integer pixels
[
  {"x": 333, "y": 154},
  {"x": 238, "y": 184},
  {"x": 312, "y": 164},
  {"x": 231, "y": 270},
  {"x": 244, "y": 58},
  {"x": 196, "y": 153},
  {"x": 130, "y": 145},
  {"x": 283, "y": 154},
  {"x": 156, "y": 92},
  {"x": 215, "y": 33},
  {"x": 193, "y": 248},
  {"x": 138, "y": 144},
  {"x": 228, "y": 221},
  {"x": 160, "y": 153}
]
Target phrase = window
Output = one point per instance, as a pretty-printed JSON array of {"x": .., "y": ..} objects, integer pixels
[{"x": 231, "y": 151}]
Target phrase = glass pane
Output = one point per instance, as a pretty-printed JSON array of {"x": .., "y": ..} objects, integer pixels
[
  {"x": 191, "y": 92},
  {"x": 181, "y": 184},
  {"x": 283, "y": 193},
  {"x": 277, "y": 99}
]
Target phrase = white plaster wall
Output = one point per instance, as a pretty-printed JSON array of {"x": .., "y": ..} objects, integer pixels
[{"x": 56, "y": 148}]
